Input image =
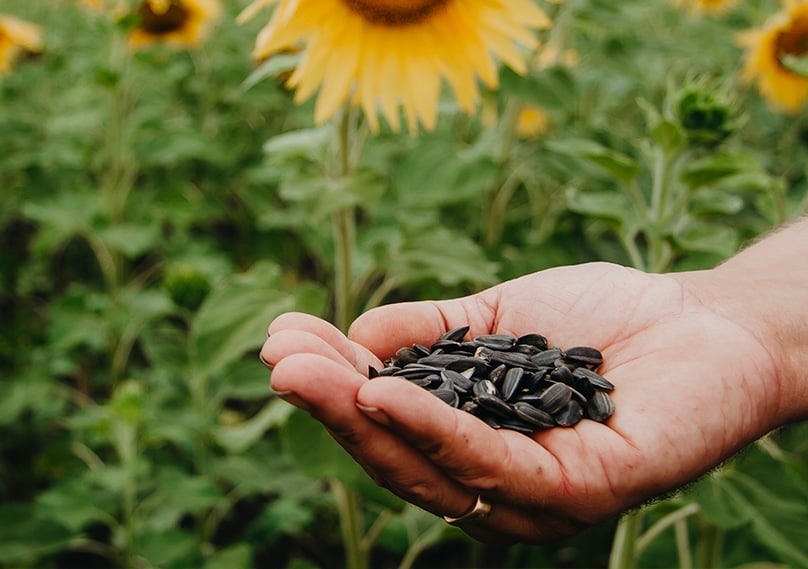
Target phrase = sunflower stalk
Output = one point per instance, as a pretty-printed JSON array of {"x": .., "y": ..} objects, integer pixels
[
  {"x": 502, "y": 190},
  {"x": 344, "y": 226},
  {"x": 349, "y": 506},
  {"x": 351, "y": 520}
]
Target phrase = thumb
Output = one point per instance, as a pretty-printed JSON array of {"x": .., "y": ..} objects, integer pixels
[{"x": 385, "y": 329}]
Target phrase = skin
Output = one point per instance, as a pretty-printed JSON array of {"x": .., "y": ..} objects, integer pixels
[{"x": 704, "y": 363}]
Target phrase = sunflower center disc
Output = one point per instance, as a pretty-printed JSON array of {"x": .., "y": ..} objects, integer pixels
[
  {"x": 394, "y": 12},
  {"x": 794, "y": 40},
  {"x": 173, "y": 18}
]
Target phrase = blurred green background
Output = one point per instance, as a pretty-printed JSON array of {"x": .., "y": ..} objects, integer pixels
[{"x": 160, "y": 206}]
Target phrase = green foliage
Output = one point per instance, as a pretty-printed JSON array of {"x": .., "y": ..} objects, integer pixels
[{"x": 160, "y": 207}]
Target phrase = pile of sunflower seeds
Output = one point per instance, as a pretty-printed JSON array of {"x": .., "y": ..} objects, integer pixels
[{"x": 513, "y": 383}]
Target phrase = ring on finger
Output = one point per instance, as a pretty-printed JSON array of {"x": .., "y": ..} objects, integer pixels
[{"x": 479, "y": 510}]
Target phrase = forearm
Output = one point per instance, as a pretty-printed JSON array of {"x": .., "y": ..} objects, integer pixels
[{"x": 764, "y": 289}]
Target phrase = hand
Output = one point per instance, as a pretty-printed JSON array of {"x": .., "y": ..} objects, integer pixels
[{"x": 692, "y": 388}]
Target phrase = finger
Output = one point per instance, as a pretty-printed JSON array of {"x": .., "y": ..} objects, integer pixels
[
  {"x": 385, "y": 329},
  {"x": 358, "y": 357},
  {"x": 328, "y": 390},
  {"x": 559, "y": 469},
  {"x": 286, "y": 342}
]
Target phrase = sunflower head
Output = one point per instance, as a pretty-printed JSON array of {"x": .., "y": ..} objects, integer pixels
[
  {"x": 183, "y": 23},
  {"x": 388, "y": 56},
  {"x": 17, "y": 36},
  {"x": 531, "y": 121},
  {"x": 769, "y": 51}
]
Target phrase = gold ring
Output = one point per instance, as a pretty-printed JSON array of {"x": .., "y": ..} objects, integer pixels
[{"x": 479, "y": 510}]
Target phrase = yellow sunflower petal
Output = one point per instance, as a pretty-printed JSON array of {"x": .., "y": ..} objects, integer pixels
[
  {"x": 388, "y": 56},
  {"x": 782, "y": 35}
]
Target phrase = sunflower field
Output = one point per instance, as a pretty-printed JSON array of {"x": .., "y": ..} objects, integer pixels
[{"x": 176, "y": 173}]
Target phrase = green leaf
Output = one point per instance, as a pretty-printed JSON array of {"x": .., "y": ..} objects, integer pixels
[
  {"x": 714, "y": 168},
  {"x": 266, "y": 469},
  {"x": 131, "y": 240},
  {"x": 272, "y": 68},
  {"x": 778, "y": 522},
  {"x": 61, "y": 217},
  {"x": 717, "y": 500},
  {"x": 722, "y": 240},
  {"x": 234, "y": 318},
  {"x": 602, "y": 205},
  {"x": 448, "y": 257},
  {"x": 79, "y": 318},
  {"x": 171, "y": 548},
  {"x": 310, "y": 144},
  {"x": 239, "y": 438},
  {"x": 238, "y": 556},
  {"x": 178, "y": 494},
  {"x": 26, "y": 392},
  {"x": 244, "y": 380},
  {"x": 75, "y": 502},
  {"x": 286, "y": 514},
  {"x": 25, "y": 536},
  {"x": 730, "y": 499},
  {"x": 434, "y": 173},
  {"x": 714, "y": 201},
  {"x": 316, "y": 454},
  {"x": 667, "y": 135},
  {"x": 551, "y": 88},
  {"x": 164, "y": 345},
  {"x": 621, "y": 167},
  {"x": 324, "y": 196}
]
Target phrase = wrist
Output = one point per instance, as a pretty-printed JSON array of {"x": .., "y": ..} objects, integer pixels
[{"x": 764, "y": 290}]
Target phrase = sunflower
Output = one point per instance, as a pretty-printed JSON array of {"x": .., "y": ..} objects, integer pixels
[
  {"x": 15, "y": 36},
  {"x": 177, "y": 22},
  {"x": 388, "y": 55},
  {"x": 532, "y": 121},
  {"x": 785, "y": 34},
  {"x": 705, "y": 5}
]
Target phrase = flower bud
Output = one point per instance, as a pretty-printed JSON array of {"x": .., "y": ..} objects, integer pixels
[
  {"x": 704, "y": 117},
  {"x": 187, "y": 285}
]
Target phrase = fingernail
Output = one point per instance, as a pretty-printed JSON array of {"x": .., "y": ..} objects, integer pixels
[
  {"x": 291, "y": 398},
  {"x": 263, "y": 361},
  {"x": 374, "y": 413}
]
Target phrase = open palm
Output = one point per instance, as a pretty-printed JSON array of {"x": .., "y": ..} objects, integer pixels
[{"x": 692, "y": 387}]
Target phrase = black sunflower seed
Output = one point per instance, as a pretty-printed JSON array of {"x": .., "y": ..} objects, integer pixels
[
  {"x": 456, "y": 334},
  {"x": 599, "y": 407},
  {"x": 570, "y": 414},
  {"x": 595, "y": 379},
  {"x": 516, "y": 383},
  {"x": 584, "y": 355},
  {"x": 533, "y": 415}
]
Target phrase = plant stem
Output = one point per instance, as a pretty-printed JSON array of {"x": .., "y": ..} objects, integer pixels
[
  {"x": 493, "y": 212},
  {"x": 711, "y": 537},
  {"x": 624, "y": 553},
  {"x": 420, "y": 542},
  {"x": 349, "y": 508},
  {"x": 344, "y": 229},
  {"x": 662, "y": 212},
  {"x": 350, "y": 518},
  {"x": 683, "y": 544},
  {"x": 664, "y": 523}
]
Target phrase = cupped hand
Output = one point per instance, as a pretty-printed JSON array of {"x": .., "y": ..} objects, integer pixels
[{"x": 692, "y": 388}]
